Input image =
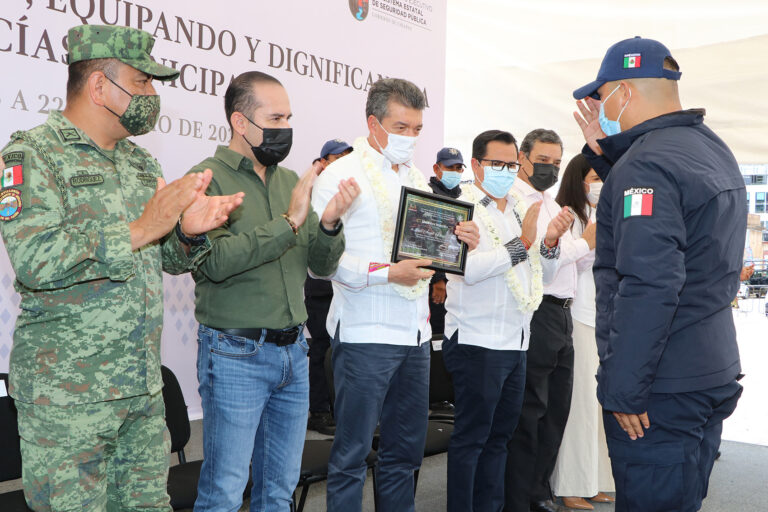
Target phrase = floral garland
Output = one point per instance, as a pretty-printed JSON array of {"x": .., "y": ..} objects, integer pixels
[
  {"x": 386, "y": 211},
  {"x": 525, "y": 302}
]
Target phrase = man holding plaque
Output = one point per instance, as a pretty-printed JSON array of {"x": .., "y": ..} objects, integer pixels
[
  {"x": 487, "y": 323},
  {"x": 379, "y": 313}
]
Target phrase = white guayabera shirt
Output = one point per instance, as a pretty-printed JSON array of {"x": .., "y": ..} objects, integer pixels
[
  {"x": 480, "y": 304},
  {"x": 365, "y": 307}
]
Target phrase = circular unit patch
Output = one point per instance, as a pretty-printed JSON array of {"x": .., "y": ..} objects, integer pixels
[{"x": 10, "y": 204}]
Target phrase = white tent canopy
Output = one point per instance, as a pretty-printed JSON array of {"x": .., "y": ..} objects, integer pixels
[{"x": 514, "y": 65}]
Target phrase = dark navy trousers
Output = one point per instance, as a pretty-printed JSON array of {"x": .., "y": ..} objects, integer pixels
[
  {"x": 385, "y": 385},
  {"x": 317, "y": 311},
  {"x": 488, "y": 386},
  {"x": 668, "y": 469}
]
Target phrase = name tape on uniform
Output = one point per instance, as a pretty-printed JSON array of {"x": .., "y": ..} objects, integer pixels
[{"x": 638, "y": 202}]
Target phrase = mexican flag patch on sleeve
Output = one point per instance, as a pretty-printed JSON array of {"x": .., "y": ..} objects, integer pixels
[
  {"x": 13, "y": 176},
  {"x": 638, "y": 202}
]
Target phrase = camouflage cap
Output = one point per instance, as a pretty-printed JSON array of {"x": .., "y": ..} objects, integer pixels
[{"x": 128, "y": 45}]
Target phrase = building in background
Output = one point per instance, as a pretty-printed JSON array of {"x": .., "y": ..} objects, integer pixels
[{"x": 756, "y": 179}]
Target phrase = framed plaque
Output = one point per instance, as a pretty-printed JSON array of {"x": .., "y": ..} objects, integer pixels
[{"x": 425, "y": 230}]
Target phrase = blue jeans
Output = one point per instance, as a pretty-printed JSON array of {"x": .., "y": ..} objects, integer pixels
[
  {"x": 255, "y": 397},
  {"x": 488, "y": 387},
  {"x": 378, "y": 384}
]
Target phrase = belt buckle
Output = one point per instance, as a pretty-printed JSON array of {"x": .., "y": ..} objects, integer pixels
[
  {"x": 567, "y": 303},
  {"x": 288, "y": 337}
]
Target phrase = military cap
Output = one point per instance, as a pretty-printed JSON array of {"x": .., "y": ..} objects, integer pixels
[
  {"x": 128, "y": 45},
  {"x": 449, "y": 157}
]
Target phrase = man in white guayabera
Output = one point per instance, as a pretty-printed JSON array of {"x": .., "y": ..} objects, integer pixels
[{"x": 379, "y": 315}]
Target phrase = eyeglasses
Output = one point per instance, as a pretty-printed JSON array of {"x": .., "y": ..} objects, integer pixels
[{"x": 500, "y": 165}]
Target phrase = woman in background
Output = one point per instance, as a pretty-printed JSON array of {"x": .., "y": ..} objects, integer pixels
[{"x": 583, "y": 469}]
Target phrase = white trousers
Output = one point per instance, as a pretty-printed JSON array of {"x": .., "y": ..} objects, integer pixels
[{"x": 583, "y": 468}]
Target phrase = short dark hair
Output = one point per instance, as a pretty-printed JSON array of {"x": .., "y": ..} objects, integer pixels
[
  {"x": 480, "y": 144},
  {"x": 571, "y": 191},
  {"x": 385, "y": 89},
  {"x": 79, "y": 72},
  {"x": 240, "y": 97},
  {"x": 671, "y": 63},
  {"x": 539, "y": 135}
]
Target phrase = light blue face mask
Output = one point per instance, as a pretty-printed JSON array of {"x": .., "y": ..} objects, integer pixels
[
  {"x": 611, "y": 127},
  {"x": 497, "y": 183},
  {"x": 450, "y": 179}
]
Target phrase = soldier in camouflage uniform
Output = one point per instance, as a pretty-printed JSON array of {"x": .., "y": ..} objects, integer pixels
[{"x": 89, "y": 226}]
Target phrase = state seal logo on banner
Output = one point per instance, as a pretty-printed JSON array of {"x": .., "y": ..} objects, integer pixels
[{"x": 359, "y": 9}]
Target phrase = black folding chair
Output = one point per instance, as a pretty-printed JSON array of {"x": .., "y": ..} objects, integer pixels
[
  {"x": 441, "y": 396},
  {"x": 10, "y": 460},
  {"x": 182, "y": 478},
  {"x": 314, "y": 468}
]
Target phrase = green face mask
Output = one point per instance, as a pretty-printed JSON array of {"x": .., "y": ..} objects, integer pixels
[{"x": 142, "y": 112}]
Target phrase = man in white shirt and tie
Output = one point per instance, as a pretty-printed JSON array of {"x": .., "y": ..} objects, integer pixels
[
  {"x": 489, "y": 311},
  {"x": 378, "y": 318},
  {"x": 549, "y": 367}
]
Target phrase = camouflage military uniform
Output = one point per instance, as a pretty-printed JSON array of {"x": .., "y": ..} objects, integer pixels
[{"x": 85, "y": 363}]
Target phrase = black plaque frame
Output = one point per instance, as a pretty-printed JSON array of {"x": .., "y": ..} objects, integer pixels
[{"x": 408, "y": 215}]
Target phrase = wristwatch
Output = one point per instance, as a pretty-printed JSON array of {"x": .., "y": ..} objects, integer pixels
[
  {"x": 194, "y": 241},
  {"x": 331, "y": 232}
]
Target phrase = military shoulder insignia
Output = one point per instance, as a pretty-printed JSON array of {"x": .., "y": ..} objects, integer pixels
[
  {"x": 84, "y": 179},
  {"x": 138, "y": 163},
  {"x": 10, "y": 204},
  {"x": 638, "y": 202},
  {"x": 69, "y": 134}
]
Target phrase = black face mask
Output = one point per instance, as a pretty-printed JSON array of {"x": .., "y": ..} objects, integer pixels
[
  {"x": 274, "y": 147},
  {"x": 544, "y": 176}
]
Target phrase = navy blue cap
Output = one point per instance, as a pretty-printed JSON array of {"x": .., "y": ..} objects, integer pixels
[
  {"x": 630, "y": 58},
  {"x": 449, "y": 157},
  {"x": 334, "y": 147}
]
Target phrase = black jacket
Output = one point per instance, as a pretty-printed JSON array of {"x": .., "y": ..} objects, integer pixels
[
  {"x": 671, "y": 226},
  {"x": 438, "y": 188}
]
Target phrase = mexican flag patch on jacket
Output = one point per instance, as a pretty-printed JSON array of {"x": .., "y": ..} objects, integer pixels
[
  {"x": 638, "y": 202},
  {"x": 13, "y": 176}
]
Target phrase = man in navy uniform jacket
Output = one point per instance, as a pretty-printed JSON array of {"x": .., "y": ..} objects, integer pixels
[{"x": 671, "y": 225}]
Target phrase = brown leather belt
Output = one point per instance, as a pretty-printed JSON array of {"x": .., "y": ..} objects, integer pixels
[{"x": 280, "y": 337}]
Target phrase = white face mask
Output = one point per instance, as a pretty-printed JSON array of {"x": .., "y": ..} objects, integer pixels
[
  {"x": 400, "y": 148},
  {"x": 594, "y": 192}
]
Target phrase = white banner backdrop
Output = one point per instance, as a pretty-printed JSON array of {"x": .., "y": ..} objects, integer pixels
[{"x": 327, "y": 54}]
